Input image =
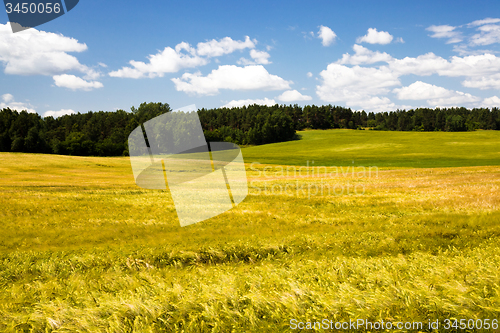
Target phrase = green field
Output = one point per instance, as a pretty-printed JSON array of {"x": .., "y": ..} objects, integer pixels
[
  {"x": 83, "y": 249},
  {"x": 383, "y": 149}
]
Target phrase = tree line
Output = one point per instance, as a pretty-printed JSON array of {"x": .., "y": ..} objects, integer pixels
[{"x": 106, "y": 133}]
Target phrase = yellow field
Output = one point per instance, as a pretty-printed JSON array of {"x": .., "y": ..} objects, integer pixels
[{"x": 83, "y": 249}]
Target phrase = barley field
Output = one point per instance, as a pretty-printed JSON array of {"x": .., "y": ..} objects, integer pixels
[{"x": 83, "y": 249}]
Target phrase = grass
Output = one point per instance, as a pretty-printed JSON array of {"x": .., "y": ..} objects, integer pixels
[
  {"x": 83, "y": 249},
  {"x": 383, "y": 149}
]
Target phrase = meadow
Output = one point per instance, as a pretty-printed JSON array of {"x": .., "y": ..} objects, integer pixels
[
  {"x": 83, "y": 249},
  {"x": 383, "y": 149}
]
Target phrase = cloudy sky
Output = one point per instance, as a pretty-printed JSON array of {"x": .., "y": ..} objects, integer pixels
[{"x": 371, "y": 55}]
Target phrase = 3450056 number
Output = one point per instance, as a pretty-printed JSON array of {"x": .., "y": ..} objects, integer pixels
[
  {"x": 470, "y": 324},
  {"x": 34, "y": 8}
]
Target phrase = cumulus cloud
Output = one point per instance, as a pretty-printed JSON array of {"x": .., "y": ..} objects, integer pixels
[
  {"x": 166, "y": 61},
  {"x": 445, "y": 31},
  {"x": 75, "y": 83},
  {"x": 34, "y": 52},
  {"x": 226, "y": 45},
  {"x": 483, "y": 82},
  {"x": 172, "y": 60},
  {"x": 342, "y": 83},
  {"x": 8, "y": 101},
  {"x": 358, "y": 85},
  {"x": 375, "y": 37},
  {"x": 55, "y": 114},
  {"x": 326, "y": 35},
  {"x": 459, "y": 99},
  {"x": 246, "y": 102},
  {"x": 259, "y": 57},
  {"x": 347, "y": 82},
  {"x": 435, "y": 95},
  {"x": 420, "y": 90},
  {"x": 488, "y": 34},
  {"x": 293, "y": 96},
  {"x": 7, "y": 98},
  {"x": 231, "y": 77},
  {"x": 309, "y": 74},
  {"x": 362, "y": 55},
  {"x": 473, "y": 65},
  {"x": 491, "y": 102},
  {"x": 426, "y": 64},
  {"x": 374, "y": 104}
]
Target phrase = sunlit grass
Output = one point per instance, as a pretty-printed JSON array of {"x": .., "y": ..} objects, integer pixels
[
  {"x": 383, "y": 149},
  {"x": 83, "y": 248}
]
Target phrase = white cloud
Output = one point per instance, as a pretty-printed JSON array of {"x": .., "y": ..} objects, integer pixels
[
  {"x": 488, "y": 20},
  {"x": 374, "y": 104},
  {"x": 246, "y": 102},
  {"x": 483, "y": 82},
  {"x": 357, "y": 86},
  {"x": 7, "y": 98},
  {"x": 185, "y": 56},
  {"x": 59, "y": 113},
  {"x": 231, "y": 77},
  {"x": 472, "y": 65},
  {"x": 375, "y": 37},
  {"x": 9, "y": 102},
  {"x": 166, "y": 61},
  {"x": 91, "y": 74},
  {"x": 75, "y": 83},
  {"x": 34, "y": 52},
  {"x": 491, "y": 102},
  {"x": 459, "y": 99},
  {"x": 488, "y": 34},
  {"x": 363, "y": 56},
  {"x": 367, "y": 87},
  {"x": 465, "y": 50},
  {"x": 326, "y": 35},
  {"x": 445, "y": 31},
  {"x": 292, "y": 96},
  {"x": 426, "y": 64},
  {"x": 435, "y": 95},
  {"x": 309, "y": 74},
  {"x": 259, "y": 57},
  {"x": 226, "y": 45},
  {"x": 420, "y": 90},
  {"x": 345, "y": 84}
]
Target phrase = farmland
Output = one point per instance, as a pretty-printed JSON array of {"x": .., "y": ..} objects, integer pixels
[{"x": 83, "y": 249}]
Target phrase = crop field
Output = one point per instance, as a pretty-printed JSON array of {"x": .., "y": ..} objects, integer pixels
[
  {"x": 383, "y": 149},
  {"x": 396, "y": 227}
]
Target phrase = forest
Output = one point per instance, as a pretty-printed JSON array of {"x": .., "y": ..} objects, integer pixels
[{"x": 106, "y": 133}]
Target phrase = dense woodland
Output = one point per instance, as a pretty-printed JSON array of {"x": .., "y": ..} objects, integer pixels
[{"x": 106, "y": 133}]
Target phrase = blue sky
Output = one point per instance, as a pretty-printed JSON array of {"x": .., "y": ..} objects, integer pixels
[{"x": 370, "y": 55}]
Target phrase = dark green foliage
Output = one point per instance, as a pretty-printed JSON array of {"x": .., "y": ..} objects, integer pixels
[
  {"x": 106, "y": 133},
  {"x": 254, "y": 124}
]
